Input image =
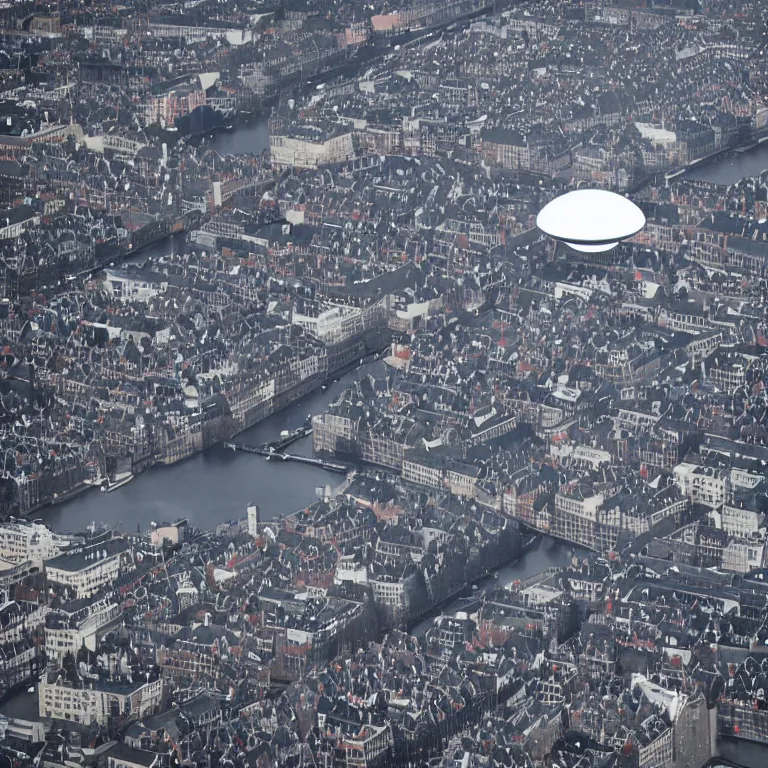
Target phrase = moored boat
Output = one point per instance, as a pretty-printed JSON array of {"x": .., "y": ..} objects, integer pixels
[{"x": 119, "y": 480}]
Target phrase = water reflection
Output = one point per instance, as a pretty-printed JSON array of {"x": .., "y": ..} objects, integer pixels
[
  {"x": 248, "y": 138},
  {"x": 215, "y": 485},
  {"x": 730, "y": 169}
]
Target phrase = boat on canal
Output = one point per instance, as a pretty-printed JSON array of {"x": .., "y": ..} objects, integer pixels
[{"x": 120, "y": 479}]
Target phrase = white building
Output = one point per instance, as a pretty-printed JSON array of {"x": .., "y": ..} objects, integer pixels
[
  {"x": 16, "y": 221},
  {"x": 176, "y": 533},
  {"x": 703, "y": 485},
  {"x": 296, "y": 152},
  {"x": 348, "y": 569},
  {"x": 333, "y": 324},
  {"x": 84, "y": 570},
  {"x": 740, "y": 523},
  {"x": 69, "y": 630},
  {"x": 392, "y": 594},
  {"x": 135, "y": 287},
  {"x": 99, "y": 701},
  {"x": 253, "y": 520},
  {"x": 23, "y": 542}
]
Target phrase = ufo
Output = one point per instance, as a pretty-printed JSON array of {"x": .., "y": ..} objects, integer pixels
[{"x": 590, "y": 220}]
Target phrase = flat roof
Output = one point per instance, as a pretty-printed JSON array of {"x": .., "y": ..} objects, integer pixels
[{"x": 82, "y": 558}]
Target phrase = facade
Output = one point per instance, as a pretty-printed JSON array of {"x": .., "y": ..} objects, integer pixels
[
  {"x": 85, "y": 570},
  {"x": 46, "y": 26},
  {"x": 689, "y": 319},
  {"x": 22, "y": 664},
  {"x": 381, "y": 140},
  {"x": 296, "y": 152},
  {"x": 506, "y": 149},
  {"x": 420, "y": 472},
  {"x": 703, "y": 485},
  {"x": 334, "y": 324},
  {"x": 441, "y": 472},
  {"x": 178, "y": 27},
  {"x": 16, "y": 221},
  {"x": 253, "y": 520},
  {"x": 658, "y": 752},
  {"x": 368, "y": 746},
  {"x": 124, "y": 285},
  {"x": 334, "y": 434},
  {"x": 176, "y": 533},
  {"x": 22, "y": 542},
  {"x": 166, "y": 108},
  {"x": 122, "y": 146},
  {"x": 98, "y": 702},
  {"x": 740, "y": 523},
  {"x": 743, "y": 556},
  {"x": 73, "y": 627},
  {"x": 577, "y": 519},
  {"x": 695, "y": 733},
  {"x": 392, "y": 593}
]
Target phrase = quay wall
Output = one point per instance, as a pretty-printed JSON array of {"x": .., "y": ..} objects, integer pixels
[
  {"x": 742, "y": 722},
  {"x": 759, "y": 138},
  {"x": 248, "y": 408},
  {"x": 244, "y": 407}
]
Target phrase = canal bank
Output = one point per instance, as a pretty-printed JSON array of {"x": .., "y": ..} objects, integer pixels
[
  {"x": 530, "y": 563},
  {"x": 252, "y": 136},
  {"x": 731, "y": 167},
  {"x": 215, "y": 485}
]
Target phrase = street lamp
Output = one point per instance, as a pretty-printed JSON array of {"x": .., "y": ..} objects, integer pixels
[{"x": 590, "y": 220}]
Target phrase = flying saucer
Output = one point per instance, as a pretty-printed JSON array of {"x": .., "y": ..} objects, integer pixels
[
  {"x": 590, "y": 220},
  {"x": 592, "y": 247}
]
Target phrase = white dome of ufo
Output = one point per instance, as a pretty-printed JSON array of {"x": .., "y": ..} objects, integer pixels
[{"x": 588, "y": 218}]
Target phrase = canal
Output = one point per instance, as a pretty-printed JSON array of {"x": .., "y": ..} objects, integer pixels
[
  {"x": 546, "y": 555},
  {"x": 748, "y": 754},
  {"x": 215, "y": 485},
  {"x": 731, "y": 168},
  {"x": 246, "y": 139}
]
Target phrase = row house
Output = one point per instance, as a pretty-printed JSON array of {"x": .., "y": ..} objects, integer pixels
[
  {"x": 101, "y": 701},
  {"x": 76, "y": 625},
  {"x": 165, "y": 108},
  {"x": 299, "y": 152},
  {"x": 703, "y": 485},
  {"x": 84, "y": 570}
]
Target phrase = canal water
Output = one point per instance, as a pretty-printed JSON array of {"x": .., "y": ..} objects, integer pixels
[
  {"x": 744, "y": 753},
  {"x": 215, "y": 485},
  {"x": 731, "y": 168},
  {"x": 252, "y": 138},
  {"x": 531, "y": 563}
]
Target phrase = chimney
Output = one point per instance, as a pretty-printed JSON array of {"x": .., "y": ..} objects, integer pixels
[{"x": 253, "y": 520}]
